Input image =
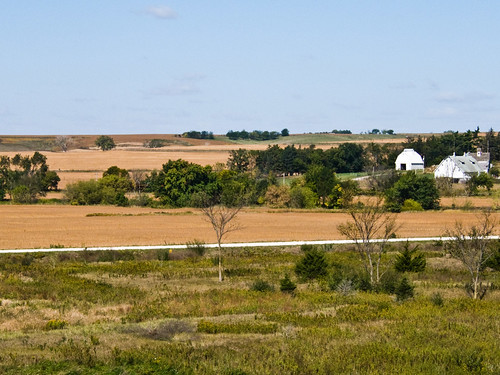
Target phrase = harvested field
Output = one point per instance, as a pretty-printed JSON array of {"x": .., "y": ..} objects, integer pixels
[
  {"x": 43, "y": 226},
  {"x": 89, "y": 160}
]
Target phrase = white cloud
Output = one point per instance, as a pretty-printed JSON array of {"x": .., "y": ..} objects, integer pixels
[{"x": 161, "y": 11}]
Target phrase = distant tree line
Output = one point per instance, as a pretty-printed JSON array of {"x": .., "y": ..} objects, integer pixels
[
  {"x": 257, "y": 135},
  {"x": 198, "y": 135},
  {"x": 335, "y": 131}
]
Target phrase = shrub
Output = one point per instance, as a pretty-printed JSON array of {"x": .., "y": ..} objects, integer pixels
[
  {"x": 346, "y": 287},
  {"x": 197, "y": 247},
  {"x": 155, "y": 143},
  {"x": 22, "y": 194},
  {"x": 411, "y": 205},
  {"x": 312, "y": 266},
  {"x": 404, "y": 290},
  {"x": 437, "y": 299},
  {"x": 55, "y": 324},
  {"x": 287, "y": 285},
  {"x": 261, "y": 286}
]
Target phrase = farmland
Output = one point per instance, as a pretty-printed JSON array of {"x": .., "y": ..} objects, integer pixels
[
  {"x": 161, "y": 312},
  {"x": 35, "y": 226}
]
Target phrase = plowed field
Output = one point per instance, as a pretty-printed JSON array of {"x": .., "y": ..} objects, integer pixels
[{"x": 43, "y": 226}]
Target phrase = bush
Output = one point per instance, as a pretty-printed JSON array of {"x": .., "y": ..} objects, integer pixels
[
  {"x": 22, "y": 194},
  {"x": 346, "y": 287},
  {"x": 55, "y": 324},
  {"x": 287, "y": 285},
  {"x": 197, "y": 247},
  {"x": 404, "y": 290},
  {"x": 261, "y": 286},
  {"x": 312, "y": 266},
  {"x": 437, "y": 299},
  {"x": 411, "y": 205},
  {"x": 155, "y": 143}
]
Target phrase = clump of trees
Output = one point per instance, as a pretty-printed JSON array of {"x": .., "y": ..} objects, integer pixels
[
  {"x": 25, "y": 178},
  {"x": 154, "y": 143},
  {"x": 417, "y": 187},
  {"x": 105, "y": 143},
  {"x": 109, "y": 189},
  {"x": 336, "y": 131},
  {"x": 198, "y": 135}
]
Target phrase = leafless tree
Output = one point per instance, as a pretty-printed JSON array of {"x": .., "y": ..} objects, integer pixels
[
  {"x": 473, "y": 247},
  {"x": 138, "y": 177},
  {"x": 222, "y": 219},
  {"x": 63, "y": 142},
  {"x": 370, "y": 229}
]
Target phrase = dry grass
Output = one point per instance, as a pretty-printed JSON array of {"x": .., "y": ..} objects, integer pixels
[{"x": 42, "y": 226}]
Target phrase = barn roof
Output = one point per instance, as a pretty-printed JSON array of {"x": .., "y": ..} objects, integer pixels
[{"x": 409, "y": 155}]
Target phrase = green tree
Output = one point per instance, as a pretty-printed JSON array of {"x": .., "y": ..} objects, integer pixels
[
  {"x": 179, "y": 180},
  {"x": 321, "y": 180},
  {"x": 420, "y": 188},
  {"x": 287, "y": 285},
  {"x": 404, "y": 290},
  {"x": 477, "y": 181},
  {"x": 105, "y": 142},
  {"x": 408, "y": 261},
  {"x": 312, "y": 266}
]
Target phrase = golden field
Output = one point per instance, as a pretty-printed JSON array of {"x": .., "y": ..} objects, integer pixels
[{"x": 25, "y": 226}]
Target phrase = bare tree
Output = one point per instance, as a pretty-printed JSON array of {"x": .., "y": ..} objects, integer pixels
[
  {"x": 473, "y": 247},
  {"x": 63, "y": 142},
  {"x": 222, "y": 219},
  {"x": 370, "y": 229}
]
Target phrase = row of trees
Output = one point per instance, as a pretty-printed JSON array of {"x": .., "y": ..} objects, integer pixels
[
  {"x": 257, "y": 135},
  {"x": 348, "y": 157},
  {"x": 198, "y": 135}
]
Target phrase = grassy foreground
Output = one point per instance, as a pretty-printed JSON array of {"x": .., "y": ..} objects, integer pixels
[{"x": 139, "y": 313}]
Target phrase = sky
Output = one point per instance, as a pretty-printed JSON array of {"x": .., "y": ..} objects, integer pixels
[{"x": 145, "y": 67}]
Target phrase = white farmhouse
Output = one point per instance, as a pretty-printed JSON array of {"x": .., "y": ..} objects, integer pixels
[
  {"x": 459, "y": 168},
  {"x": 409, "y": 160}
]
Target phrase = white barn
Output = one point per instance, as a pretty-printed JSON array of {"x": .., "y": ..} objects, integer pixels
[
  {"x": 409, "y": 160},
  {"x": 459, "y": 168}
]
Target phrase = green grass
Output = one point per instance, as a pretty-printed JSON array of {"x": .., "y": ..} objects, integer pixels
[{"x": 101, "y": 312}]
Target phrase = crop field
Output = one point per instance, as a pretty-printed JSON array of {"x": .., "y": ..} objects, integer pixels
[
  {"x": 154, "y": 312},
  {"x": 35, "y": 226}
]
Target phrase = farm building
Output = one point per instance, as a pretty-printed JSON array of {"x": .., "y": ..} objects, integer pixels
[
  {"x": 483, "y": 160},
  {"x": 459, "y": 168},
  {"x": 409, "y": 160}
]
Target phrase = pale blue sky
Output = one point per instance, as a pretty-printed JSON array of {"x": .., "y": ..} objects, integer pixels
[{"x": 130, "y": 66}]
